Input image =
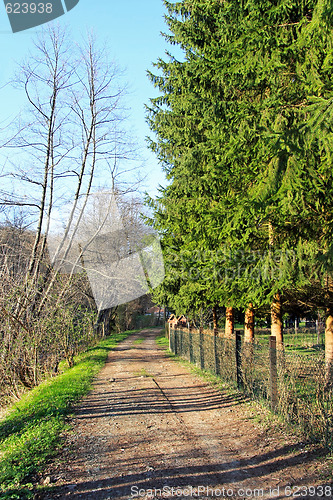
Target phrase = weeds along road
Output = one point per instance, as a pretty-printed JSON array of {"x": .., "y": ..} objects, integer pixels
[{"x": 152, "y": 429}]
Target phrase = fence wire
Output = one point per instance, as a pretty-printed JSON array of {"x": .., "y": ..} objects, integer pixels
[{"x": 303, "y": 396}]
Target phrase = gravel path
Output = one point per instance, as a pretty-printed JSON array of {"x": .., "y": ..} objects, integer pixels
[{"x": 152, "y": 429}]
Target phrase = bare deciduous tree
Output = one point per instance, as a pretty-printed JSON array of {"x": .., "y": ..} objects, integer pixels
[{"x": 71, "y": 141}]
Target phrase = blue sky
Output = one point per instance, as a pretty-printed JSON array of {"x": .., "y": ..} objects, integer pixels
[{"x": 132, "y": 31}]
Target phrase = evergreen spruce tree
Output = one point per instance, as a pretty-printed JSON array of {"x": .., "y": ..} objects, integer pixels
[
  {"x": 243, "y": 130},
  {"x": 189, "y": 121}
]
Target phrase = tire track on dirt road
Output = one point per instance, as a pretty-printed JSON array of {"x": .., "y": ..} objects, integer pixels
[{"x": 150, "y": 425}]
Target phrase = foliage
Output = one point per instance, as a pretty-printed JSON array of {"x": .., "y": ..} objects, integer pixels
[{"x": 243, "y": 130}]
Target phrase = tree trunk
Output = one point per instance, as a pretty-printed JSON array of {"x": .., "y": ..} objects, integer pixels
[
  {"x": 249, "y": 324},
  {"x": 229, "y": 322},
  {"x": 276, "y": 317},
  {"x": 329, "y": 347},
  {"x": 103, "y": 322},
  {"x": 159, "y": 315}
]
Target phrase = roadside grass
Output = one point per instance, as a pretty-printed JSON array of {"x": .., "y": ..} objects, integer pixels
[{"x": 30, "y": 433}]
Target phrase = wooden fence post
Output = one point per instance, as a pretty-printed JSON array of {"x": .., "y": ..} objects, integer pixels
[
  {"x": 202, "y": 353},
  {"x": 167, "y": 330},
  {"x": 239, "y": 360},
  {"x": 273, "y": 372},
  {"x": 190, "y": 343},
  {"x": 216, "y": 360},
  {"x": 180, "y": 343}
]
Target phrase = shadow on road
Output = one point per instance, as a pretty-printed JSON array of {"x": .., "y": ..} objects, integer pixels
[{"x": 210, "y": 476}]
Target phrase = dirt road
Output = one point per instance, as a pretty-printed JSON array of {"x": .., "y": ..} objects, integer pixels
[{"x": 152, "y": 429}]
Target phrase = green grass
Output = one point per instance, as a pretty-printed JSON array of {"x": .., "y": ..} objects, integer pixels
[
  {"x": 144, "y": 373},
  {"x": 30, "y": 434},
  {"x": 304, "y": 344},
  {"x": 162, "y": 341},
  {"x": 139, "y": 341}
]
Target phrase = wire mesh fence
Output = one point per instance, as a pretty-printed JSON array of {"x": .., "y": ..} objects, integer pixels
[{"x": 291, "y": 380}]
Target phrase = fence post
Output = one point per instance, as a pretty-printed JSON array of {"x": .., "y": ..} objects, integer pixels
[
  {"x": 239, "y": 360},
  {"x": 216, "y": 361},
  {"x": 167, "y": 331},
  {"x": 180, "y": 342},
  {"x": 202, "y": 353},
  {"x": 273, "y": 372},
  {"x": 318, "y": 332},
  {"x": 190, "y": 342}
]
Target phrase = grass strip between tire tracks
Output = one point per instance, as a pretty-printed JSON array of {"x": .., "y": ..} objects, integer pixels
[{"x": 30, "y": 434}]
